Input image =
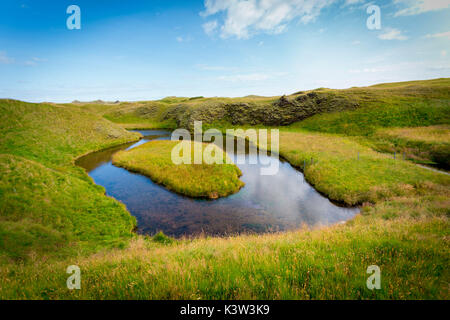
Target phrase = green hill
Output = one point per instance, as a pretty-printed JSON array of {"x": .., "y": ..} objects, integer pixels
[
  {"x": 395, "y": 104},
  {"x": 46, "y": 202}
]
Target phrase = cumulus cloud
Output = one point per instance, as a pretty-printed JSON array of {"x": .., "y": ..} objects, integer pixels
[
  {"x": 243, "y": 18},
  {"x": 392, "y": 34},
  {"x": 413, "y": 7}
]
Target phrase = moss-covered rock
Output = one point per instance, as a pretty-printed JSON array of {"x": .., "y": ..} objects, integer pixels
[{"x": 284, "y": 111}]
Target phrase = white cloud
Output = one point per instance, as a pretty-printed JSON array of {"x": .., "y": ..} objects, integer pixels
[
  {"x": 413, "y": 7},
  {"x": 4, "y": 59},
  {"x": 210, "y": 27},
  {"x": 439, "y": 35},
  {"x": 392, "y": 34},
  {"x": 245, "y": 18}
]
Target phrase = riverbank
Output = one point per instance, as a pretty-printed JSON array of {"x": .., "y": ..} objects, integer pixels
[{"x": 48, "y": 205}]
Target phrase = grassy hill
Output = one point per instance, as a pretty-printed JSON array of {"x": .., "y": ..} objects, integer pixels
[
  {"x": 46, "y": 202},
  {"x": 361, "y": 111},
  {"x": 52, "y": 215},
  {"x": 394, "y": 104}
]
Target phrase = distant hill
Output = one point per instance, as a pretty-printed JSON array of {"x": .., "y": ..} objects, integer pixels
[{"x": 409, "y": 101}]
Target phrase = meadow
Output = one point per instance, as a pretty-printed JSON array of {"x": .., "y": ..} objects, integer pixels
[{"x": 52, "y": 215}]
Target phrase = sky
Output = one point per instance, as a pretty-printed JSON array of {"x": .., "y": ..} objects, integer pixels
[{"x": 143, "y": 50}]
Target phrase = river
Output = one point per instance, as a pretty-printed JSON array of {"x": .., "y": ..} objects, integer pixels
[{"x": 284, "y": 201}]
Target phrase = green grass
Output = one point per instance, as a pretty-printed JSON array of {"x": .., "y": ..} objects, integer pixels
[
  {"x": 131, "y": 121},
  {"x": 359, "y": 112},
  {"x": 337, "y": 172},
  {"x": 55, "y": 135},
  {"x": 382, "y": 113},
  {"x": 47, "y": 204},
  {"x": 329, "y": 263},
  {"x": 427, "y": 145},
  {"x": 44, "y": 211},
  {"x": 154, "y": 159},
  {"x": 431, "y": 134},
  {"x": 53, "y": 216},
  {"x": 387, "y": 106},
  {"x": 355, "y": 111}
]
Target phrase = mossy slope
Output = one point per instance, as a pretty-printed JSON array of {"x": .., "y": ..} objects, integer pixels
[{"x": 46, "y": 202}]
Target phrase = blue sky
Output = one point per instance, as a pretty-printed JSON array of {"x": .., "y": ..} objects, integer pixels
[{"x": 141, "y": 50}]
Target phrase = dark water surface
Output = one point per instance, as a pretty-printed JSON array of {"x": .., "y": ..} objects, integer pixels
[{"x": 265, "y": 204}]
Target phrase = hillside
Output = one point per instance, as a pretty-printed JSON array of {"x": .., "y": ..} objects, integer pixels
[
  {"x": 375, "y": 102},
  {"x": 355, "y": 112},
  {"x": 46, "y": 202}
]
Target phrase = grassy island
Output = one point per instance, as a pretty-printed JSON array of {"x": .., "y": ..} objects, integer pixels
[{"x": 153, "y": 159}]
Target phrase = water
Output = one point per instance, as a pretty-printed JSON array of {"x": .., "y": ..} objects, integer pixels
[{"x": 281, "y": 202}]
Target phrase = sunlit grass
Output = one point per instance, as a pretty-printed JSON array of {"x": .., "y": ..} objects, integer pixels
[
  {"x": 49, "y": 206},
  {"x": 404, "y": 238},
  {"x": 431, "y": 134},
  {"x": 429, "y": 145},
  {"x": 154, "y": 159},
  {"x": 348, "y": 171}
]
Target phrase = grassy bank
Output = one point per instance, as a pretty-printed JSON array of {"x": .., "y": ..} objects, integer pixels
[
  {"x": 48, "y": 205},
  {"x": 320, "y": 264},
  {"x": 154, "y": 159},
  {"x": 405, "y": 234},
  {"x": 426, "y": 145},
  {"x": 403, "y": 226},
  {"x": 350, "y": 172}
]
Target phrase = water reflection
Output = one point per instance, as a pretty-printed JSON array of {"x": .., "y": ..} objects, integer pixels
[{"x": 266, "y": 203}]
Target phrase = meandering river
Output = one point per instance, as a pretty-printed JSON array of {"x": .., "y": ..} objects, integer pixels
[{"x": 266, "y": 204}]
